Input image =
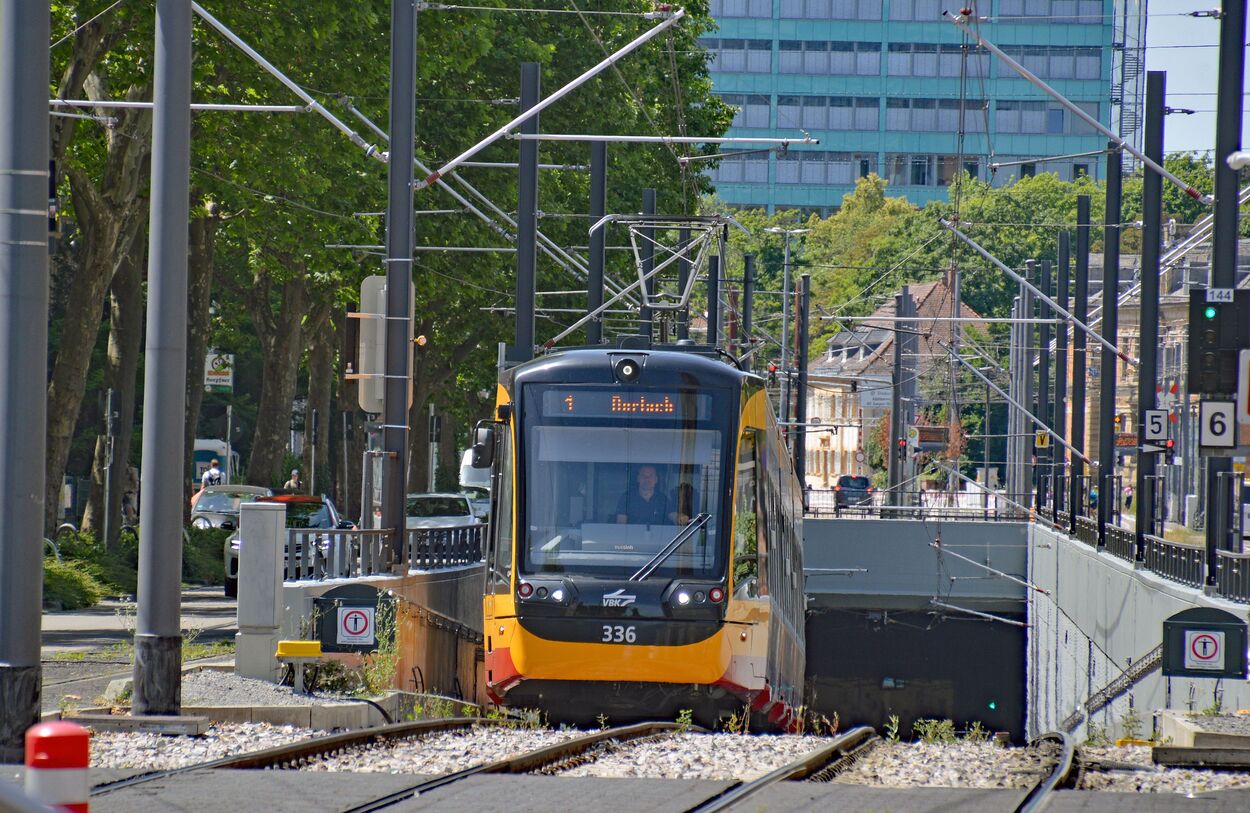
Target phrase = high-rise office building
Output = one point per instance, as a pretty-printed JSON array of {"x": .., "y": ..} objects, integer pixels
[{"x": 889, "y": 86}]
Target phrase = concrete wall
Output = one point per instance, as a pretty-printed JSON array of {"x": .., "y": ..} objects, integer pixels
[
  {"x": 1100, "y": 615},
  {"x": 439, "y": 651},
  {"x": 903, "y": 571}
]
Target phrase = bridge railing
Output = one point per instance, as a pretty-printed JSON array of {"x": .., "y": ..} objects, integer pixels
[
  {"x": 1232, "y": 577},
  {"x": 918, "y": 503},
  {"x": 1121, "y": 542},
  {"x": 324, "y": 553},
  {"x": 1171, "y": 560},
  {"x": 1087, "y": 530},
  {"x": 430, "y": 548}
]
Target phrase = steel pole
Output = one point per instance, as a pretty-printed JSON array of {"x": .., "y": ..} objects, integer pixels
[
  {"x": 785, "y": 333},
  {"x": 1045, "y": 410},
  {"x": 158, "y": 637},
  {"x": 1148, "y": 315},
  {"x": 24, "y": 37},
  {"x": 713, "y": 299},
  {"x": 399, "y": 242},
  {"x": 598, "y": 239},
  {"x": 648, "y": 263},
  {"x": 527, "y": 219},
  {"x": 1224, "y": 236},
  {"x": 683, "y": 271},
  {"x": 748, "y": 299},
  {"x": 1061, "y": 363},
  {"x": 1110, "y": 328},
  {"x": 1076, "y": 467},
  {"x": 800, "y": 413}
]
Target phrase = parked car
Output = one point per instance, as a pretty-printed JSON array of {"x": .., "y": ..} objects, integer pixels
[
  {"x": 218, "y": 506},
  {"x": 439, "y": 511},
  {"x": 302, "y": 511},
  {"x": 852, "y": 491},
  {"x": 479, "y": 501}
]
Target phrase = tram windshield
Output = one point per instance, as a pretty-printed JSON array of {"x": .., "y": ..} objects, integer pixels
[{"x": 613, "y": 476}]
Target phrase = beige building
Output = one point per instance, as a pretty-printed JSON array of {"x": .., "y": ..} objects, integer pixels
[{"x": 850, "y": 387}]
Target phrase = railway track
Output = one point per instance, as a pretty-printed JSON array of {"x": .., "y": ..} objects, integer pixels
[{"x": 821, "y": 765}]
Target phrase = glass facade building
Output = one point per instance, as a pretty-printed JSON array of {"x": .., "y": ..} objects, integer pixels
[{"x": 888, "y": 85}]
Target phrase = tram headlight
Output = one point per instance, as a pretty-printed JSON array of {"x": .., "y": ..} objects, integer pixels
[{"x": 683, "y": 598}]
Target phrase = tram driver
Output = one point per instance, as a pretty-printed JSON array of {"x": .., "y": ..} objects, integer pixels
[{"x": 644, "y": 504}]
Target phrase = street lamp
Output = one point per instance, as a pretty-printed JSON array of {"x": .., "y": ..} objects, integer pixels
[{"x": 785, "y": 319}]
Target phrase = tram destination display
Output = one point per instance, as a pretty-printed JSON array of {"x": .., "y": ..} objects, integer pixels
[{"x": 584, "y": 402}]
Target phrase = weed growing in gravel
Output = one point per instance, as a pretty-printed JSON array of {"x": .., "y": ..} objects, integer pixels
[
  {"x": 1131, "y": 723},
  {"x": 976, "y": 732},
  {"x": 378, "y": 671},
  {"x": 739, "y": 722},
  {"x": 891, "y": 728},
  {"x": 68, "y": 704},
  {"x": 685, "y": 719},
  {"x": 934, "y": 731},
  {"x": 602, "y": 719},
  {"x": 1097, "y": 736}
]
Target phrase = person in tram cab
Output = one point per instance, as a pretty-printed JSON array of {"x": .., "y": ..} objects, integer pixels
[{"x": 643, "y": 504}]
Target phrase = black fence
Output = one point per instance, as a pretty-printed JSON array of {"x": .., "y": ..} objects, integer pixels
[
  {"x": 430, "y": 548},
  {"x": 1121, "y": 542},
  {"x": 1171, "y": 560},
  {"x": 1233, "y": 575},
  {"x": 335, "y": 554}
]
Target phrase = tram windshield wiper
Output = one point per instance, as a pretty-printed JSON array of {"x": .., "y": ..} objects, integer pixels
[{"x": 685, "y": 533}]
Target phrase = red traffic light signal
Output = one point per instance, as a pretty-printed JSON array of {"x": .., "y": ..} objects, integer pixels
[{"x": 1169, "y": 444}]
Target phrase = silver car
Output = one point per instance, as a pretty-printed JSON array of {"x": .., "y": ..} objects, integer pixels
[{"x": 218, "y": 506}]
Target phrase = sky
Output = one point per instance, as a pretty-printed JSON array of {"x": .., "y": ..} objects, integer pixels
[{"x": 1192, "y": 71}]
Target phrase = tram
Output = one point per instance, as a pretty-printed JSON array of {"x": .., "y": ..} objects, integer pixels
[{"x": 645, "y": 552}]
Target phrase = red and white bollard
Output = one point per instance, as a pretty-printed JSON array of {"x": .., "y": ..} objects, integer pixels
[{"x": 57, "y": 755}]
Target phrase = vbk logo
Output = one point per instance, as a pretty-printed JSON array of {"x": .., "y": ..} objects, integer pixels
[{"x": 618, "y": 598}]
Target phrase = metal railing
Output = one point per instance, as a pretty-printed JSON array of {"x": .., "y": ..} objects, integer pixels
[
  {"x": 1087, "y": 530},
  {"x": 1180, "y": 563},
  {"x": 1232, "y": 576},
  {"x": 1121, "y": 542},
  {"x": 322, "y": 553},
  {"x": 430, "y": 548},
  {"x": 917, "y": 503}
]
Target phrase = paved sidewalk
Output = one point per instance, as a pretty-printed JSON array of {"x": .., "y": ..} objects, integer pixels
[{"x": 112, "y": 622}]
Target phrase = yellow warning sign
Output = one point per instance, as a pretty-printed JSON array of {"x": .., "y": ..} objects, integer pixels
[{"x": 1041, "y": 440}]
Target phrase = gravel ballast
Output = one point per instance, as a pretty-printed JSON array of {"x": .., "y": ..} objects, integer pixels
[
  {"x": 701, "y": 756},
  {"x": 116, "y": 749},
  {"x": 443, "y": 752},
  {"x": 952, "y": 765},
  {"x": 210, "y": 687},
  {"x": 1156, "y": 778}
]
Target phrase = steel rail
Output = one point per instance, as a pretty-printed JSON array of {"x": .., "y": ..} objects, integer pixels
[
  {"x": 843, "y": 750},
  {"x": 302, "y": 750},
  {"x": 525, "y": 763},
  {"x": 1039, "y": 795}
]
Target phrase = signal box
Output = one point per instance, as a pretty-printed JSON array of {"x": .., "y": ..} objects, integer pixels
[{"x": 1219, "y": 326}]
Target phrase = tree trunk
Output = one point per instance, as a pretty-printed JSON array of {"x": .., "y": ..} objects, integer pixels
[
  {"x": 320, "y": 398},
  {"x": 201, "y": 251},
  {"x": 282, "y": 341},
  {"x": 419, "y": 442},
  {"x": 448, "y": 460},
  {"x": 104, "y": 216},
  {"x": 121, "y": 366}
]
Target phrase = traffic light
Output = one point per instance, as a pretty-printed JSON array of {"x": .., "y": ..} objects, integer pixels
[
  {"x": 772, "y": 375},
  {"x": 1169, "y": 444},
  {"x": 1217, "y": 331}
]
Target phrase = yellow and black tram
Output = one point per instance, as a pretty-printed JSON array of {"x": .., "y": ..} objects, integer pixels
[{"x": 645, "y": 550}]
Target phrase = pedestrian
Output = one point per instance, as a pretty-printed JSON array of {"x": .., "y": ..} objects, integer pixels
[
  {"x": 294, "y": 484},
  {"x": 1093, "y": 498},
  {"x": 212, "y": 477},
  {"x": 1128, "y": 498}
]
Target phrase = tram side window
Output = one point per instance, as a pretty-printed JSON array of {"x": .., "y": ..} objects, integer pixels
[
  {"x": 746, "y": 550},
  {"x": 501, "y": 516}
]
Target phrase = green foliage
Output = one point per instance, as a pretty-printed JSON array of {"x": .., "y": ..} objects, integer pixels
[
  {"x": 685, "y": 719},
  {"x": 201, "y": 555},
  {"x": 934, "y": 731},
  {"x": 68, "y": 586},
  {"x": 739, "y": 722},
  {"x": 1131, "y": 723},
  {"x": 891, "y": 728},
  {"x": 976, "y": 732},
  {"x": 377, "y": 673},
  {"x": 1097, "y": 736}
]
